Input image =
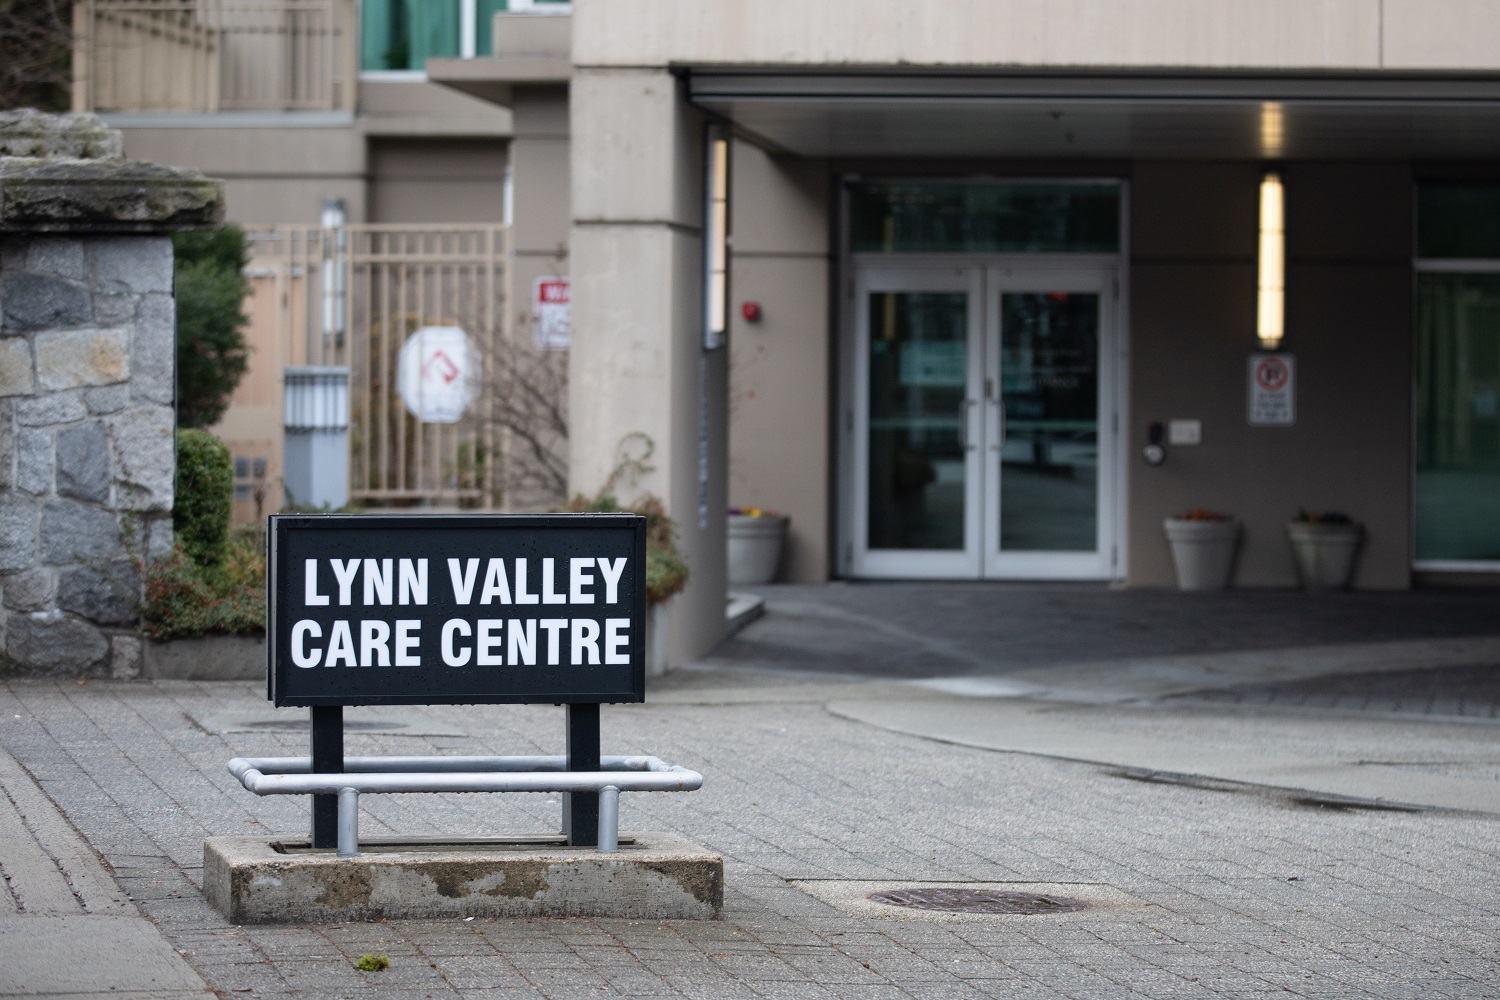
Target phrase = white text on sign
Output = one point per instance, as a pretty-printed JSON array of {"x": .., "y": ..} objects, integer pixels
[{"x": 483, "y": 642}]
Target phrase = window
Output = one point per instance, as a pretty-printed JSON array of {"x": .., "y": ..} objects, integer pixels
[
  {"x": 401, "y": 35},
  {"x": 1459, "y": 221},
  {"x": 249, "y": 476},
  {"x": 1458, "y": 376},
  {"x": 955, "y": 217}
]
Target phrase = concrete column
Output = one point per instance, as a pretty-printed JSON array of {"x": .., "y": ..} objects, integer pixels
[{"x": 637, "y": 363}]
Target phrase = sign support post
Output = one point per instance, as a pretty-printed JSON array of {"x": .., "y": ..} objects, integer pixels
[
  {"x": 581, "y": 809},
  {"x": 460, "y": 609},
  {"x": 327, "y": 758}
]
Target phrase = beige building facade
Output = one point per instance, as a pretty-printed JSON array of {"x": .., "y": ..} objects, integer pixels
[
  {"x": 994, "y": 244},
  {"x": 362, "y": 182},
  {"x": 980, "y": 256}
]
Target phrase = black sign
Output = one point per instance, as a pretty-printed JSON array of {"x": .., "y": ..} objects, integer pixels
[{"x": 372, "y": 609}]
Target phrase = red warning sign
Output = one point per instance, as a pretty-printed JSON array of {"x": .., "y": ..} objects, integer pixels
[{"x": 551, "y": 314}]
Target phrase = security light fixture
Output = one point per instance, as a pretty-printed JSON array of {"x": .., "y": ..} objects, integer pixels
[
  {"x": 1270, "y": 312},
  {"x": 716, "y": 238}
]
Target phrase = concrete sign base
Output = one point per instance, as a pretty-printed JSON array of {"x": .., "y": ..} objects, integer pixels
[{"x": 653, "y": 876}]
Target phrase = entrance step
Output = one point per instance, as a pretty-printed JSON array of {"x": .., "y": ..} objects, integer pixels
[{"x": 742, "y": 609}]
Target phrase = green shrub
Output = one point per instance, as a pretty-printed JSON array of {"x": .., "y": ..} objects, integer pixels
[
  {"x": 184, "y": 599},
  {"x": 205, "y": 496},
  {"x": 212, "y": 355}
]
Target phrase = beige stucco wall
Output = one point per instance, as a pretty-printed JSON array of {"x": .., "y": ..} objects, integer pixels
[
  {"x": 436, "y": 180},
  {"x": 1192, "y": 322},
  {"x": 1219, "y": 34},
  {"x": 414, "y": 107},
  {"x": 637, "y": 363},
  {"x": 541, "y": 171},
  {"x": 271, "y": 175},
  {"x": 1439, "y": 34},
  {"x": 780, "y": 377},
  {"x": 281, "y": 172}
]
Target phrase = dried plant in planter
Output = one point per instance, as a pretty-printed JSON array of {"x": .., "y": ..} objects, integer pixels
[{"x": 666, "y": 566}]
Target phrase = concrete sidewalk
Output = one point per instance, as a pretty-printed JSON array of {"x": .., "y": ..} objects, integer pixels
[
  {"x": 1183, "y": 718},
  {"x": 912, "y": 630},
  {"x": 66, "y": 929},
  {"x": 1241, "y": 818},
  {"x": 1187, "y": 712},
  {"x": 1195, "y": 888}
]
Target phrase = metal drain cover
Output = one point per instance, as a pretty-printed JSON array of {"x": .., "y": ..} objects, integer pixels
[{"x": 997, "y": 901}]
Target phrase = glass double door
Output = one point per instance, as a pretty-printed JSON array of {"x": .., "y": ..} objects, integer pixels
[{"x": 982, "y": 419}]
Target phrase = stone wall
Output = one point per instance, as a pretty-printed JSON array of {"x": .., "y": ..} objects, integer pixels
[{"x": 87, "y": 385}]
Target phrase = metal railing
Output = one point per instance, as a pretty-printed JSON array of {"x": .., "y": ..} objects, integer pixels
[
  {"x": 204, "y": 56},
  {"x": 294, "y": 776},
  {"x": 354, "y": 295}
]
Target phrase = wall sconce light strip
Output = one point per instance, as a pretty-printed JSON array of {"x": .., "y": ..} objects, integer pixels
[
  {"x": 1270, "y": 310},
  {"x": 716, "y": 240}
]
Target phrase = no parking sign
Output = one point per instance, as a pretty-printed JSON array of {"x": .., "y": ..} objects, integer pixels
[
  {"x": 436, "y": 374},
  {"x": 1273, "y": 390}
]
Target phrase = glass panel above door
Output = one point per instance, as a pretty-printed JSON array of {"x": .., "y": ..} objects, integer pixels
[
  {"x": 983, "y": 217},
  {"x": 1049, "y": 450},
  {"x": 1458, "y": 418},
  {"x": 1458, "y": 220},
  {"x": 918, "y": 343}
]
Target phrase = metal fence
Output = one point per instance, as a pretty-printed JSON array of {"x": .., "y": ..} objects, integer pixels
[
  {"x": 203, "y": 56},
  {"x": 355, "y": 295}
]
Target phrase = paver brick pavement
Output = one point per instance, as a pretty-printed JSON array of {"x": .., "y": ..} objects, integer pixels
[
  {"x": 1229, "y": 895},
  {"x": 1458, "y": 692}
]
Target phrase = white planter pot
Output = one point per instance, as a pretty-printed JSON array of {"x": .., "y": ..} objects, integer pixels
[
  {"x": 1202, "y": 552},
  {"x": 656, "y": 640},
  {"x": 1325, "y": 553},
  {"x": 755, "y": 545}
]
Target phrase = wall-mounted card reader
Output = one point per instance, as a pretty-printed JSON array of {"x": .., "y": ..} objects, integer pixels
[{"x": 1185, "y": 432}]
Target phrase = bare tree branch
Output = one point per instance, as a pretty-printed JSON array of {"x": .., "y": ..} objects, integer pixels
[
  {"x": 36, "y": 42},
  {"x": 530, "y": 404}
]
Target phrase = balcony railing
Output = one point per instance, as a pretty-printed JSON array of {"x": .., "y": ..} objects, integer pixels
[{"x": 204, "y": 56}]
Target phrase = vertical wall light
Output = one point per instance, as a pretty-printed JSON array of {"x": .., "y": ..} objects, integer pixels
[
  {"x": 1270, "y": 312},
  {"x": 333, "y": 218},
  {"x": 716, "y": 239}
]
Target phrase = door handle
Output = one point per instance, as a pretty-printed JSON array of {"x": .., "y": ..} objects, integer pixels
[
  {"x": 993, "y": 399},
  {"x": 963, "y": 424}
]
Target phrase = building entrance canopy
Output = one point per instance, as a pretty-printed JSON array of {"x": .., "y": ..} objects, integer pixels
[{"x": 1136, "y": 116}]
